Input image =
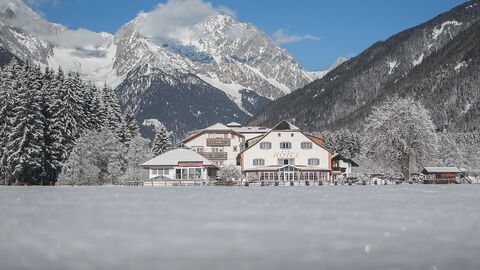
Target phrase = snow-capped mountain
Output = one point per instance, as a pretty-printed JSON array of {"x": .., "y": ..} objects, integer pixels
[{"x": 235, "y": 61}]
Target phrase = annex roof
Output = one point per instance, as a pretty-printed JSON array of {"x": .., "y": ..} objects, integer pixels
[
  {"x": 234, "y": 124},
  {"x": 441, "y": 170},
  {"x": 338, "y": 156},
  {"x": 218, "y": 126},
  {"x": 178, "y": 155}
]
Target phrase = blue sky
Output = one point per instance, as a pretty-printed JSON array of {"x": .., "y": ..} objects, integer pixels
[{"x": 319, "y": 31}]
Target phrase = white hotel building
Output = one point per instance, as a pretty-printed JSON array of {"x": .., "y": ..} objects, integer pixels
[
  {"x": 286, "y": 154},
  {"x": 280, "y": 155}
]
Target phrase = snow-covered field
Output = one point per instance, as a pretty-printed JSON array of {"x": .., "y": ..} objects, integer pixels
[{"x": 344, "y": 227}]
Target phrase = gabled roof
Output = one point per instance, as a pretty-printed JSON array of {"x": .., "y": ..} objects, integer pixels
[
  {"x": 441, "y": 170},
  {"x": 234, "y": 124},
  {"x": 214, "y": 127},
  {"x": 285, "y": 125},
  {"x": 177, "y": 155},
  {"x": 218, "y": 126},
  {"x": 339, "y": 156},
  {"x": 282, "y": 126}
]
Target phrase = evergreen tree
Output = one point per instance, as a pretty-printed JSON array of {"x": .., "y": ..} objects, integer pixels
[
  {"x": 129, "y": 127},
  {"x": 49, "y": 163},
  {"x": 161, "y": 141},
  {"x": 112, "y": 108},
  {"x": 25, "y": 140},
  {"x": 69, "y": 114},
  {"x": 8, "y": 84}
]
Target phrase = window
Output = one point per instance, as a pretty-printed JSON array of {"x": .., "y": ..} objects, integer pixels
[
  {"x": 285, "y": 145},
  {"x": 160, "y": 171},
  {"x": 279, "y": 134},
  {"x": 306, "y": 145},
  {"x": 218, "y": 163},
  {"x": 188, "y": 174},
  {"x": 235, "y": 149},
  {"x": 314, "y": 162},
  {"x": 198, "y": 149},
  {"x": 265, "y": 145},
  {"x": 286, "y": 161},
  {"x": 292, "y": 135},
  {"x": 259, "y": 162},
  {"x": 217, "y": 150}
]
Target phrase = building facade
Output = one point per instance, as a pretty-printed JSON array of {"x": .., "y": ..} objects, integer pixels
[
  {"x": 222, "y": 143},
  {"x": 286, "y": 155},
  {"x": 342, "y": 167},
  {"x": 180, "y": 166}
]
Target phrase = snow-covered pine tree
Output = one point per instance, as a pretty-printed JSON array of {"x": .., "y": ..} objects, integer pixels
[
  {"x": 400, "y": 132},
  {"x": 69, "y": 114},
  {"x": 25, "y": 140},
  {"x": 129, "y": 127},
  {"x": 161, "y": 142},
  {"x": 8, "y": 84},
  {"x": 46, "y": 103},
  {"x": 112, "y": 108}
]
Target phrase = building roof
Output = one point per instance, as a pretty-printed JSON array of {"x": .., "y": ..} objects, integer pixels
[
  {"x": 234, "y": 124},
  {"x": 282, "y": 126},
  {"x": 178, "y": 155},
  {"x": 251, "y": 129},
  {"x": 441, "y": 170},
  {"x": 339, "y": 156},
  {"x": 218, "y": 126}
]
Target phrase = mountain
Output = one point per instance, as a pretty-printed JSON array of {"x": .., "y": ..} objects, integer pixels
[
  {"x": 217, "y": 69},
  {"x": 436, "y": 62}
]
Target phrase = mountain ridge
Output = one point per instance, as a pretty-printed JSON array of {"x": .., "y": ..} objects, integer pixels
[{"x": 326, "y": 102}]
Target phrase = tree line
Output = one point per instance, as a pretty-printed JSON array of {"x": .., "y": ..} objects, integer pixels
[
  {"x": 50, "y": 120},
  {"x": 399, "y": 136}
]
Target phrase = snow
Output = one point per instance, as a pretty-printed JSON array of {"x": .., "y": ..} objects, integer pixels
[
  {"x": 93, "y": 64},
  {"x": 460, "y": 65},
  {"x": 438, "y": 31},
  {"x": 231, "y": 89},
  {"x": 392, "y": 65},
  {"x": 328, "y": 227},
  {"x": 419, "y": 60}
]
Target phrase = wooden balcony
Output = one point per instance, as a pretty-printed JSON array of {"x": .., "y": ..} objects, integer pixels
[
  {"x": 339, "y": 169},
  {"x": 219, "y": 142},
  {"x": 214, "y": 155}
]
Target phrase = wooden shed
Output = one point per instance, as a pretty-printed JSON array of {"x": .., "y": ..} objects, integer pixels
[{"x": 441, "y": 175}]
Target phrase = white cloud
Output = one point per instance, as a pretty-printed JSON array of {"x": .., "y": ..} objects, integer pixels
[
  {"x": 281, "y": 37},
  {"x": 38, "y": 3},
  {"x": 173, "y": 19}
]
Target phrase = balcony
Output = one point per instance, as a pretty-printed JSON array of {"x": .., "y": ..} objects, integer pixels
[
  {"x": 218, "y": 142},
  {"x": 214, "y": 155},
  {"x": 339, "y": 169}
]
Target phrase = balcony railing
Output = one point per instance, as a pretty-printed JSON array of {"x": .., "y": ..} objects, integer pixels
[
  {"x": 339, "y": 169},
  {"x": 214, "y": 155},
  {"x": 218, "y": 142}
]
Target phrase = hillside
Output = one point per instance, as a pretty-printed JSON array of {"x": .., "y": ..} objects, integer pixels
[{"x": 435, "y": 61}]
